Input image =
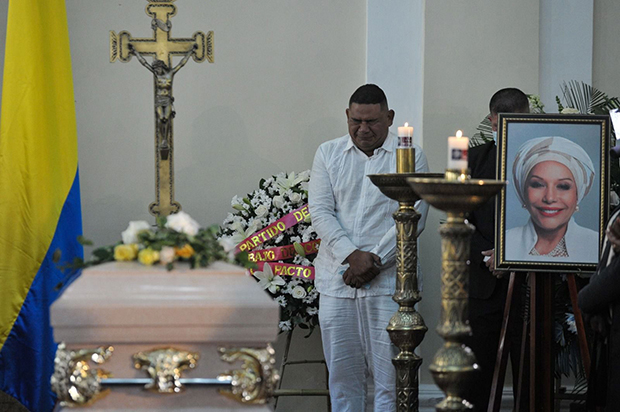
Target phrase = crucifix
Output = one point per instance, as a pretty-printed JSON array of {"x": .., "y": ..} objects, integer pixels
[{"x": 161, "y": 47}]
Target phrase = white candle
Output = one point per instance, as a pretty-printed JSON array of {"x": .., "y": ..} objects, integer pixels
[
  {"x": 405, "y": 136},
  {"x": 457, "y": 151}
]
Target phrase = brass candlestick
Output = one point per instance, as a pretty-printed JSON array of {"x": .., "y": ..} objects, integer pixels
[
  {"x": 406, "y": 327},
  {"x": 454, "y": 366},
  {"x": 405, "y": 160}
]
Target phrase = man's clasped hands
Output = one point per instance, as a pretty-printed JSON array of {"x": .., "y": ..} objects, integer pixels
[{"x": 363, "y": 267}]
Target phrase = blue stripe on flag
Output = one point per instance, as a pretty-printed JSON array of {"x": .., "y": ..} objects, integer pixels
[{"x": 27, "y": 358}]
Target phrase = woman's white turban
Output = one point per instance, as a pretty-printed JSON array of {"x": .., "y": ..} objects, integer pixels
[{"x": 557, "y": 149}]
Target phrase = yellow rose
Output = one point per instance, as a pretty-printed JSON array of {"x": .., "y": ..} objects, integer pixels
[
  {"x": 185, "y": 252},
  {"x": 148, "y": 256},
  {"x": 125, "y": 252}
]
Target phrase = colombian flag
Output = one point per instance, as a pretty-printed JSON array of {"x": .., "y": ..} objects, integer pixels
[{"x": 39, "y": 193}]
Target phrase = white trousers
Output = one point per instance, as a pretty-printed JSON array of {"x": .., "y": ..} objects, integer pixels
[{"x": 357, "y": 347}]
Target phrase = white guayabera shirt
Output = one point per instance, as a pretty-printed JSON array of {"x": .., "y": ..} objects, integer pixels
[{"x": 349, "y": 212}]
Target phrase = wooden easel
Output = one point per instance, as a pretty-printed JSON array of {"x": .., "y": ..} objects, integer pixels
[{"x": 540, "y": 342}]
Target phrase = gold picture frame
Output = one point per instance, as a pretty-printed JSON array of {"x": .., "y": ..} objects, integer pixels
[{"x": 550, "y": 217}]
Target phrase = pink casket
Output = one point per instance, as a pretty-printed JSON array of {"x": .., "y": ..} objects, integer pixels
[{"x": 177, "y": 331}]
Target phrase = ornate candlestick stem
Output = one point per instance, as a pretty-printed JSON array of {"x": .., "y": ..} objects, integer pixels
[
  {"x": 454, "y": 366},
  {"x": 406, "y": 327}
]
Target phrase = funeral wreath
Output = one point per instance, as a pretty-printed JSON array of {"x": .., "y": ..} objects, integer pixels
[{"x": 273, "y": 226}]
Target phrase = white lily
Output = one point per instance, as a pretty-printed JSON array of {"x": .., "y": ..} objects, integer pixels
[
  {"x": 267, "y": 280},
  {"x": 286, "y": 182},
  {"x": 241, "y": 234}
]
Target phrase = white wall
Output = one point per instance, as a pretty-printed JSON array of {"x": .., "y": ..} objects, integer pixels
[
  {"x": 281, "y": 80},
  {"x": 605, "y": 67},
  {"x": 566, "y": 39},
  {"x": 472, "y": 49},
  {"x": 396, "y": 58}
]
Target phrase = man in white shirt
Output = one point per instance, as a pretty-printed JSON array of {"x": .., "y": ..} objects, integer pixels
[{"x": 355, "y": 266}]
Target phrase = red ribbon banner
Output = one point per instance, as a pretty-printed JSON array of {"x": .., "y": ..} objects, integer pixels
[
  {"x": 283, "y": 252},
  {"x": 273, "y": 229},
  {"x": 286, "y": 269}
]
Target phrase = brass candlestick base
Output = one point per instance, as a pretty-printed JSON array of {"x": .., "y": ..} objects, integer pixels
[
  {"x": 406, "y": 327},
  {"x": 454, "y": 366}
]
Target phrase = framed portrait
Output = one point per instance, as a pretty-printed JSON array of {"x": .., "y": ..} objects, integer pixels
[{"x": 551, "y": 215}]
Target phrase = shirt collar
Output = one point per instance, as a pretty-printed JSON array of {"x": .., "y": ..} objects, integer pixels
[{"x": 389, "y": 145}]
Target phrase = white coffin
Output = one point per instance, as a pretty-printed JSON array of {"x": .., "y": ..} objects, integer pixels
[{"x": 138, "y": 308}]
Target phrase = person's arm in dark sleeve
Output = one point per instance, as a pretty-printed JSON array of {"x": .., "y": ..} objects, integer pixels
[{"x": 603, "y": 289}]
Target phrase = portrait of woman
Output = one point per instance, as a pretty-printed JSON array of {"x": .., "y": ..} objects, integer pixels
[{"x": 551, "y": 175}]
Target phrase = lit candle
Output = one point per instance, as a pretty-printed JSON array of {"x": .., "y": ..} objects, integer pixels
[
  {"x": 405, "y": 153},
  {"x": 457, "y": 151},
  {"x": 405, "y": 136}
]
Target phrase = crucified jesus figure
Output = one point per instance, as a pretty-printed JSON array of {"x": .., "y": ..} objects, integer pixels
[{"x": 164, "y": 107}]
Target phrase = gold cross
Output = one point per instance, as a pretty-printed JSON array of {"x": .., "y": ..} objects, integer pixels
[{"x": 162, "y": 47}]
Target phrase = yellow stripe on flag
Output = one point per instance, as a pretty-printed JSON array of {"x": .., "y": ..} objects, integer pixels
[{"x": 38, "y": 144}]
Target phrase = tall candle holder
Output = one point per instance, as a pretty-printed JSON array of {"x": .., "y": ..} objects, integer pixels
[
  {"x": 454, "y": 365},
  {"x": 406, "y": 327}
]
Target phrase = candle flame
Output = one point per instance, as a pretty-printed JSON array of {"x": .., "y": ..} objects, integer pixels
[
  {"x": 459, "y": 133},
  {"x": 406, "y": 124}
]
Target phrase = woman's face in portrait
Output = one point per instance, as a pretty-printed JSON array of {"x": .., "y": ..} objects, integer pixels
[{"x": 551, "y": 195}]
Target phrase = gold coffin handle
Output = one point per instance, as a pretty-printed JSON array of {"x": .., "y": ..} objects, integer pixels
[
  {"x": 73, "y": 381},
  {"x": 257, "y": 379}
]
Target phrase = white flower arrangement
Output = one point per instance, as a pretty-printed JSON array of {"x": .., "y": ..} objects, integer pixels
[
  {"x": 183, "y": 223},
  {"x": 177, "y": 237},
  {"x": 275, "y": 198}
]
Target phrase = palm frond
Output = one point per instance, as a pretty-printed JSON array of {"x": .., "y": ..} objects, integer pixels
[
  {"x": 581, "y": 385},
  {"x": 577, "y": 95},
  {"x": 484, "y": 133},
  {"x": 587, "y": 99}
]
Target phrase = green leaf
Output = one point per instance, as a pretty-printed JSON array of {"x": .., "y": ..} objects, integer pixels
[
  {"x": 244, "y": 260},
  {"x": 104, "y": 253},
  {"x": 78, "y": 262},
  {"x": 83, "y": 241},
  {"x": 560, "y": 106},
  {"x": 299, "y": 249}
]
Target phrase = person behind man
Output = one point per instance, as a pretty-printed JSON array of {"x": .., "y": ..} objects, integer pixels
[
  {"x": 488, "y": 288},
  {"x": 355, "y": 266},
  {"x": 600, "y": 303}
]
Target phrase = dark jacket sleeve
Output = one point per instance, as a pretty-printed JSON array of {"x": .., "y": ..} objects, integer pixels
[
  {"x": 482, "y": 162},
  {"x": 603, "y": 289}
]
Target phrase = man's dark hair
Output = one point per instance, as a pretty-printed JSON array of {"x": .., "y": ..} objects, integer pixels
[
  {"x": 369, "y": 94},
  {"x": 509, "y": 100}
]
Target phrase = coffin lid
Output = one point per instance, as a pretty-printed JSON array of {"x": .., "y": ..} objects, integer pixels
[{"x": 130, "y": 302}]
